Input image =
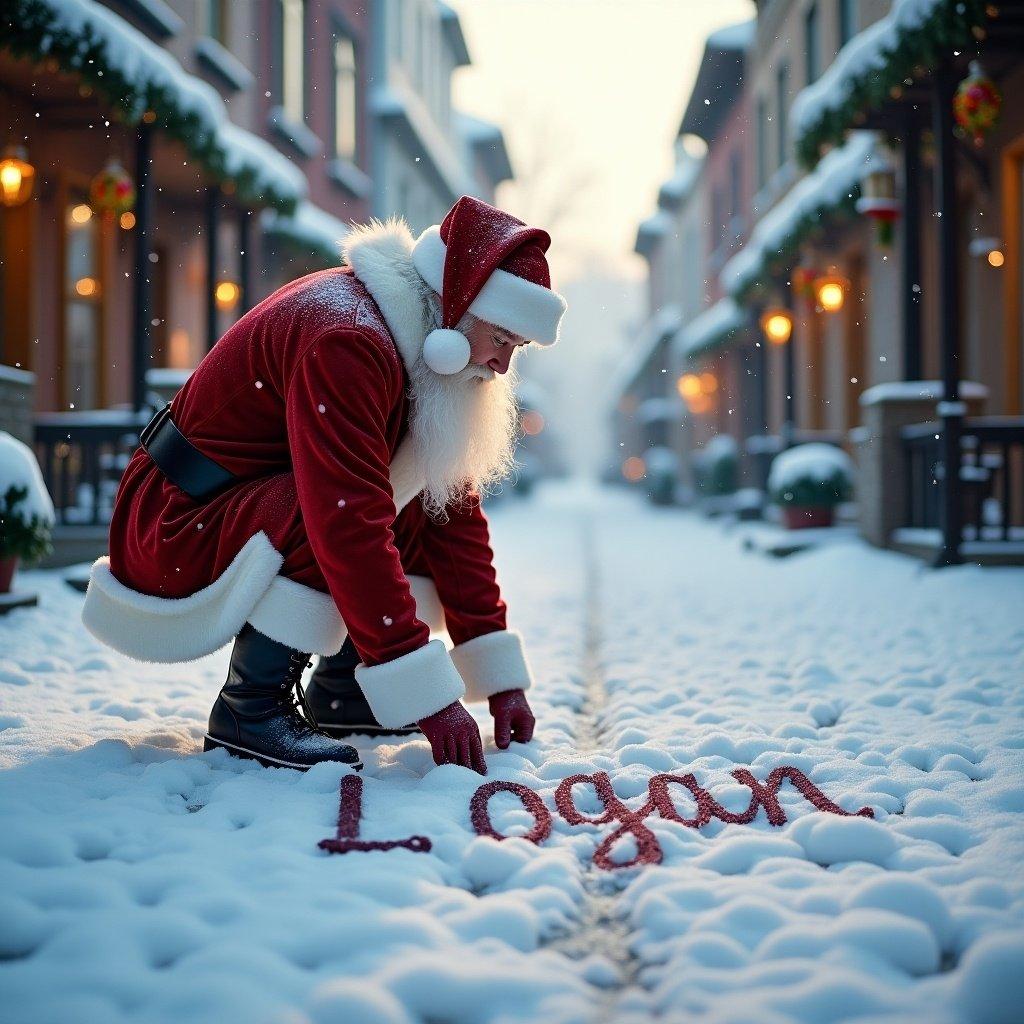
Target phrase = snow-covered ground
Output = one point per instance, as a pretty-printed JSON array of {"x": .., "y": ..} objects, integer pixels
[{"x": 144, "y": 881}]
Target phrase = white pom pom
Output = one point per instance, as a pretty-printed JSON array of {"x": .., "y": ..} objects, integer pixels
[{"x": 446, "y": 351}]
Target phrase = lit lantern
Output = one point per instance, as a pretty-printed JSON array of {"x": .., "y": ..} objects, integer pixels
[
  {"x": 878, "y": 196},
  {"x": 688, "y": 386},
  {"x": 777, "y": 325},
  {"x": 112, "y": 191},
  {"x": 830, "y": 292},
  {"x": 227, "y": 294},
  {"x": 16, "y": 176},
  {"x": 802, "y": 282},
  {"x": 977, "y": 103}
]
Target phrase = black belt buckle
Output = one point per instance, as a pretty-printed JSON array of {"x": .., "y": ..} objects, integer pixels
[{"x": 180, "y": 461}]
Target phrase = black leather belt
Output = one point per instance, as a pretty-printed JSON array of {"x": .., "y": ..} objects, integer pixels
[{"x": 180, "y": 461}]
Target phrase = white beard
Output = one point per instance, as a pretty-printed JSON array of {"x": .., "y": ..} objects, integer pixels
[{"x": 464, "y": 430}]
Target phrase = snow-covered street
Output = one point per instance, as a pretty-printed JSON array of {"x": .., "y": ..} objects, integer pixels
[{"x": 142, "y": 880}]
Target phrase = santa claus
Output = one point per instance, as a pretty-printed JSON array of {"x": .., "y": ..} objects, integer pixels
[{"x": 314, "y": 488}]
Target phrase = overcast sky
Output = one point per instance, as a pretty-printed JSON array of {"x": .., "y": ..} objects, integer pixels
[{"x": 589, "y": 94}]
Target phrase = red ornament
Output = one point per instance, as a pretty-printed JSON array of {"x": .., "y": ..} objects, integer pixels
[
  {"x": 977, "y": 103},
  {"x": 112, "y": 190}
]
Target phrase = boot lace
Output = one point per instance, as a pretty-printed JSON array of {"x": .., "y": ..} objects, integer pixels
[{"x": 295, "y": 698}]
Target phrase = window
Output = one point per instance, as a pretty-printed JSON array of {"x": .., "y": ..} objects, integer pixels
[
  {"x": 811, "y": 51},
  {"x": 847, "y": 21},
  {"x": 217, "y": 14},
  {"x": 292, "y": 71},
  {"x": 82, "y": 305},
  {"x": 345, "y": 110},
  {"x": 781, "y": 101},
  {"x": 762, "y": 143}
]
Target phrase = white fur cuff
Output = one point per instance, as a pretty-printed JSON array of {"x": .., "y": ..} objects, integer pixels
[
  {"x": 411, "y": 687},
  {"x": 492, "y": 663},
  {"x": 299, "y": 617}
]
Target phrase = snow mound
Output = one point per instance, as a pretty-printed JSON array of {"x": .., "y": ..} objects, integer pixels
[
  {"x": 815, "y": 463},
  {"x": 18, "y": 468}
]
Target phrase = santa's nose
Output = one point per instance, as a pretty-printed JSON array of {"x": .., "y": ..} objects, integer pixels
[{"x": 499, "y": 363}]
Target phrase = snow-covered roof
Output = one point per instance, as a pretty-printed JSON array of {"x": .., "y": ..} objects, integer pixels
[
  {"x": 650, "y": 231},
  {"x": 675, "y": 189},
  {"x": 656, "y": 410},
  {"x": 136, "y": 75},
  {"x": 719, "y": 80},
  {"x": 910, "y": 390},
  {"x": 733, "y": 37},
  {"x": 487, "y": 141},
  {"x": 309, "y": 227},
  {"x": 662, "y": 324},
  {"x": 884, "y": 54},
  {"x": 833, "y": 183},
  {"x": 710, "y": 329}
]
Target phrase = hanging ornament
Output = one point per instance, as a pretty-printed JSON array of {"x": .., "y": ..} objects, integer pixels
[
  {"x": 977, "y": 103},
  {"x": 802, "y": 281},
  {"x": 878, "y": 195},
  {"x": 112, "y": 191}
]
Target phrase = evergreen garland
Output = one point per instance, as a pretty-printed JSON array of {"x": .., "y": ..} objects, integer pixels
[
  {"x": 951, "y": 26},
  {"x": 29, "y": 31},
  {"x": 21, "y": 536}
]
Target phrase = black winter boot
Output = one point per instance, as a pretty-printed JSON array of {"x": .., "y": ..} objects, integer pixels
[
  {"x": 338, "y": 703},
  {"x": 257, "y": 714}
]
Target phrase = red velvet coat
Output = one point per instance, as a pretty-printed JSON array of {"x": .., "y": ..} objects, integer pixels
[{"x": 304, "y": 399}]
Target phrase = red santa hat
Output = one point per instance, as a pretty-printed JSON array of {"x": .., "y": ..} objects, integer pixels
[{"x": 489, "y": 263}]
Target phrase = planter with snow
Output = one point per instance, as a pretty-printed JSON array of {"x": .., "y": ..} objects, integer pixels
[
  {"x": 808, "y": 481},
  {"x": 716, "y": 467},
  {"x": 26, "y": 512}
]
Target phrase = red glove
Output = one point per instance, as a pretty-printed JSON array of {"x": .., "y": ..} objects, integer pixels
[
  {"x": 513, "y": 719},
  {"x": 454, "y": 738}
]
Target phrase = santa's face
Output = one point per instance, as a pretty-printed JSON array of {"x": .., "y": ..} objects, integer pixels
[{"x": 491, "y": 346}]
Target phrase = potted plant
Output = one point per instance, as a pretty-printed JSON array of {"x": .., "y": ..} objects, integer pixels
[
  {"x": 716, "y": 470},
  {"x": 26, "y": 512},
  {"x": 808, "y": 481},
  {"x": 662, "y": 474}
]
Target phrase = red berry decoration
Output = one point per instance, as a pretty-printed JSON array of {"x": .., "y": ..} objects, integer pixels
[
  {"x": 112, "y": 190},
  {"x": 977, "y": 103}
]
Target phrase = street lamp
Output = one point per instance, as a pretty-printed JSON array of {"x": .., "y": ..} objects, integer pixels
[
  {"x": 16, "y": 176},
  {"x": 830, "y": 292},
  {"x": 227, "y": 294},
  {"x": 777, "y": 325}
]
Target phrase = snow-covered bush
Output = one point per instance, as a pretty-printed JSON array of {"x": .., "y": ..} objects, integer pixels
[
  {"x": 716, "y": 466},
  {"x": 811, "y": 475},
  {"x": 661, "y": 472},
  {"x": 26, "y": 512}
]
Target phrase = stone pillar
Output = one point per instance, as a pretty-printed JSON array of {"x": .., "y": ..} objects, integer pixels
[
  {"x": 882, "y": 471},
  {"x": 17, "y": 401}
]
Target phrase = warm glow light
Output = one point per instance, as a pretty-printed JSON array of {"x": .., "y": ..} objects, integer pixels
[
  {"x": 127, "y": 220},
  {"x": 830, "y": 292},
  {"x": 777, "y": 325},
  {"x": 708, "y": 383},
  {"x": 701, "y": 404},
  {"x": 532, "y": 422},
  {"x": 81, "y": 214},
  {"x": 996, "y": 258},
  {"x": 227, "y": 294},
  {"x": 86, "y": 286},
  {"x": 16, "y": 177},
  {"x": 179, "y": 354},
  {"x": 688, "y": 386},
  {"x": 633, "y": 469}
]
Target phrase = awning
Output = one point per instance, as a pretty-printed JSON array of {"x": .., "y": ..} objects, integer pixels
[
  {"x": 135, "y": 76},
  {"x": 830, "y": 189},
  {"x": 710, "y": 330},
  {"x": 309, "y": 229},
  {"x": 874, "y": 62}
]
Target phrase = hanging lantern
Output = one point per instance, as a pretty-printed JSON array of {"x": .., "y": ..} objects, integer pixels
[
  {"x": 777, "y": 325},
  {"x": 16, "y": 176},
  {"x": 112, "y": 191},
  {"x": 830, "y": 292},
  {"x": 802, "y": 282},
  {"x": 878, "y": 196},
  {"x": 977, "y": 103}
]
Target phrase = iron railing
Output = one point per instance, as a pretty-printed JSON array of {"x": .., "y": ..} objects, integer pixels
[
  {"x": 82, "y": 456},
  {"x": 991, "y": 477}
]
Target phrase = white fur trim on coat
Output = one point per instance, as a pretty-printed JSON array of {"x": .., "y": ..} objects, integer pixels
[
  {"x": 380, "y": 253},
  {"x": 492, "y": 663},
  {"x": 299, "y": 617},
  {"x": 520, "y": 306},
  {"x": 411, "y": 687},
  {"x": 179, "y": 629}
]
